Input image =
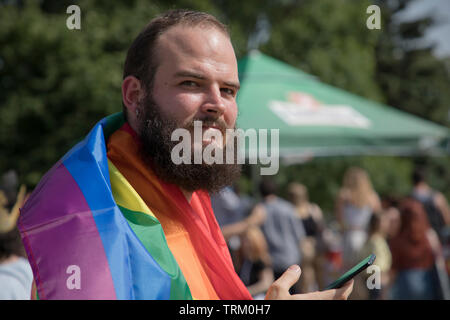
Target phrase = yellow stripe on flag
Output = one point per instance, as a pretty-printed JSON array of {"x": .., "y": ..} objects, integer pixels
[{"x": 124, "y": 193}]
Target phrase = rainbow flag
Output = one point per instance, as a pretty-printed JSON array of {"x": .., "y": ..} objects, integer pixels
[{"x": 74, "y": 225}]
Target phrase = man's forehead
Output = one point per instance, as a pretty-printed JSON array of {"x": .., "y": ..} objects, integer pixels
[
  {"x": 181, "y": 34},
  {"x": 181, "y": 43}
]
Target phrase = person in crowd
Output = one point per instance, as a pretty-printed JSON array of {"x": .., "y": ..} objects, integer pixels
[
  {"x": 283, "y": 231},
  {"x": 392, "y": 214},
  {"x": 434, "y": 202},
  {"x": 118, "y": 212},
  {"x": 356, "y": 202},
  {"x": 413, "y": 255},
  {"x": 312, "y": 246},
  {"x": 332, "y": 266},
  {"x": 255, "y": 268},
  {"x": 235, "y": 215},
  {"x": 16, "y": 276},
  {"x": 377, "y": 244},
  {"x": 9, "y": 184}
]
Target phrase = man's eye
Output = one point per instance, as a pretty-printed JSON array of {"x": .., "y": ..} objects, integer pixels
[
  {"x": 189, "y": 83},
  {"x": 228, "y": 91}
]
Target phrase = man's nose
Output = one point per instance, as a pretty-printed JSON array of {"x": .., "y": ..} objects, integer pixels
[{"x": 214, "y": 102}]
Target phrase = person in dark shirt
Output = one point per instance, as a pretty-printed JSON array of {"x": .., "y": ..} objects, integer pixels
[
  {"x": 256, "y": 265},
  {"x": 434, "y": 202},
  {"x": 312, "y": 246}
]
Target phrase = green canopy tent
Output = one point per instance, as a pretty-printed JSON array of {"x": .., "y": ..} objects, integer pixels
[{"x": 315, "y": 119}]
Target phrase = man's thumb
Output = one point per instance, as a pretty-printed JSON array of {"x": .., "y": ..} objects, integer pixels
[
  {"x": 279, "y": 290},
  {"x": 289, "y": 277}
]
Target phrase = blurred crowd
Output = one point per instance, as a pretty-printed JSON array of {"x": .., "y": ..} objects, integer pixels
[
  {"x": 16, "y": 276},
  {"x": 409, "y": 236}
]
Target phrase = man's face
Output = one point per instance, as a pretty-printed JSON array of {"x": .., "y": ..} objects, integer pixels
[{"x": 197, "y": 77}]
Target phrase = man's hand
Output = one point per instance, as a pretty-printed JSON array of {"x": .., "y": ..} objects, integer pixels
[{"x": 279, "y": 290}]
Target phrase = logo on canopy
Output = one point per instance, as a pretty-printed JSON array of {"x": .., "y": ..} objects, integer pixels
[{"x": 302, "y": 109}]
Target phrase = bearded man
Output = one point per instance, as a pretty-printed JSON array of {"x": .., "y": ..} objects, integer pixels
[{"x": 116, "y": 218}]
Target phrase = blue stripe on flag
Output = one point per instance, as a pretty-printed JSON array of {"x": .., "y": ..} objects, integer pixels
[{"x": 136, "y": 275}]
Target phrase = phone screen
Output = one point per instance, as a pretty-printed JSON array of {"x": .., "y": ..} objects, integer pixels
[{"x": 352, "y": 272}]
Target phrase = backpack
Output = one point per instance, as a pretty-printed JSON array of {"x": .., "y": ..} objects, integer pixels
[{"x": 433, "y": 212}]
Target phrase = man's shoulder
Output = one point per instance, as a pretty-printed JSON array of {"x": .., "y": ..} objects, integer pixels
[
  {"x": 438, "y": 196},
  {"x": 283, "y": 205},
  {"x": 15, "y": 275},
  {"x": 12, "y": 289}
]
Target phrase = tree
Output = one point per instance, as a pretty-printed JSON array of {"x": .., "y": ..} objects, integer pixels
[
  {"x": 411, "y": 77},
  {"x": 414, "y": 80}
]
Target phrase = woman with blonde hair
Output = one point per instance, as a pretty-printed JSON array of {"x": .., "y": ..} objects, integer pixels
[{"x": 356, "y": 202}]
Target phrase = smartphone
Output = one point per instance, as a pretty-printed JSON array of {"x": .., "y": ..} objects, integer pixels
[{"x": 352, "y": 272}]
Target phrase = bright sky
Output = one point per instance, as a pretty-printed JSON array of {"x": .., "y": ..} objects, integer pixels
[{"x": 439, "y": 33}]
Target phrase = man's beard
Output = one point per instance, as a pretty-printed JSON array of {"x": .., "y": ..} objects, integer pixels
[{"x": 155, "y": 132}]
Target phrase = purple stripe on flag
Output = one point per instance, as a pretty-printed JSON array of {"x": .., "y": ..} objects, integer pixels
[{"x": 64, "y": 223}]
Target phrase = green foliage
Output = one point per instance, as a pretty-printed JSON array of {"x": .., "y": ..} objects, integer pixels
[
  {"x": 328, "y": 39},
  {"x": 412, "y": 79}
]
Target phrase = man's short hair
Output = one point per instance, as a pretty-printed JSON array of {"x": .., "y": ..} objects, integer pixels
[
  {"x": 11, "y": 244},
  {"x": 141, "y": 61},
  {"x": 418, "y": 176},
  {"x": 268, "y": 187}
]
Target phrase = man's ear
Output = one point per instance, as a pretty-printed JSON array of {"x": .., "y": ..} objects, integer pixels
[{"x": 132, "y": 94}]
